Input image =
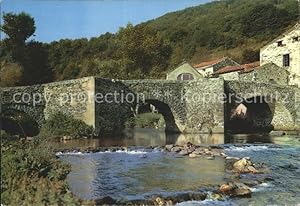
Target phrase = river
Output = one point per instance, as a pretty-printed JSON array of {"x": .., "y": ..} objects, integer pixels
[{"x": 140, "y": 172}]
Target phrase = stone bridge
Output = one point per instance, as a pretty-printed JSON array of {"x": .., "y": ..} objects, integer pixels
[{"x": 200, "y": 106}]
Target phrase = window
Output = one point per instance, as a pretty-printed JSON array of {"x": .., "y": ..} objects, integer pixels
[
  {"x": 279, "y": 43},
  {"x": 286, "y": 60},
  {"x": 296, "y": 38},
  {"x": 185, "y": 76}
]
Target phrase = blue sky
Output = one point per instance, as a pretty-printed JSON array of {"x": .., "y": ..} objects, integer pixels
[{"x": 57, "y": 19}]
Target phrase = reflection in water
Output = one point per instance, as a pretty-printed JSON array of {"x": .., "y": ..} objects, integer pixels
[
  {"x": 144, "y": 137},
  {"x": 135, "y": 175}
]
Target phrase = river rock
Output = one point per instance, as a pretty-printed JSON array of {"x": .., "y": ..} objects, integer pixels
[
  {"x": 198, "y": 151},
  {"x": 216, "y": 196},
  {"x": 223, "y": 154},
  {"x": 188, "y": 145},
  {"x": 226, "y": 188},
  {"x": 159, "y": 201},
  {"x": 210, "y": 157},
  {"x": 169, "y": 147},
  {"x": 244, "y": 166},
  {"x": 235, "y": 189},
  {"x": 176, "y": 149},
  {"x": 198, "y": 196},
  {"x": 241, "y": 192},
  {"x": 105, "y": 201},
  {"x": 183, "y": 152},
  {"x": 193, "y": 155}
]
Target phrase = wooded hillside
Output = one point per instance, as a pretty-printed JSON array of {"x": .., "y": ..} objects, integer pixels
[{"x": 234, "y": 28}]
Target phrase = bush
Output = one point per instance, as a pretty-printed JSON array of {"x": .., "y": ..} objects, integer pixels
[
  {"x": 59, "y": 124},
  {"x": 32, "y": 175},
  {"x": 145, "y": 120}
]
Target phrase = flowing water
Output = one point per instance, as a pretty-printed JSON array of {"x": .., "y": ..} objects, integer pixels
[{"x": 140, "y": 172}]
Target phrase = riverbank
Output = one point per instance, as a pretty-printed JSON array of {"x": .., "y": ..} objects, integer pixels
[{"x": 32, "y": 175}]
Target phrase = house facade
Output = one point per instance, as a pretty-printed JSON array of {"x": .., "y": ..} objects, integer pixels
[
  {"x": 184, "y": 72},
  {"x": 284, "y": 51}
]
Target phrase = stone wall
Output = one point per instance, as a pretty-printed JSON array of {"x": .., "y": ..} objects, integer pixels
[
  {"x": 187, "y": 106},
  {"x": 13, "y": 98},
  {"x": 268, "y": 73},
  {"x": 73, "y": 97},
  {"x": 204, "y": 105},
  {"x": 283, "y": 101},
  {"x": 230, "y": 76},
  {"x": 67, "y": 96},
  {"x": 173, "y": 99}
]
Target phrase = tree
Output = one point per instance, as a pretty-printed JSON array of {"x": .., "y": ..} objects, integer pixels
[
  {"x": 142, "y": 49},
  {"x": 35, "y": 63},
  {"x": 18, "y": 27},
  {"x": 264, "y": 19}
]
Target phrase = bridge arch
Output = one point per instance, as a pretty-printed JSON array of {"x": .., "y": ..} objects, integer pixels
[
  {"x": 18, "y": 122},
  {"x": 35, "y": 113},
  {"x": 251, "y": 115},
  {"x": 165, "y": 110}
]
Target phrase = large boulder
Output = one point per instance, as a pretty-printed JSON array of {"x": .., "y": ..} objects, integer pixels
[{"x": 244, "y": 166}]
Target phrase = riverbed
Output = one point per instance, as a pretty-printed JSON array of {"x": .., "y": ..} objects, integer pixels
[{"x": 139, "y": 171}]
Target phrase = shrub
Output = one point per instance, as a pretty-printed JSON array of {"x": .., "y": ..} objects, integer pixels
[
  {"x": 60, "y": 124},
  {"x": 32, "y": 175},
  {"x": 145, "y": 120}
]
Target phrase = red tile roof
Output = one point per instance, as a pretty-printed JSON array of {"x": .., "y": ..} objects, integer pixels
[
  {"x": 228, "y": 69},
  {"x": 208, "y": 63},
  {"x": 251, "y": 66}
]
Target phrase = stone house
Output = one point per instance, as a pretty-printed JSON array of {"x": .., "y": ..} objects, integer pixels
[
  {"x": 284, "y": 51},
  {"x": 224, "y": 67},
  {"x": 208, "y": 68},
  {"x": 184, "y": 72},
  {"x": 229, "y": 72},
  {"x": 233, "y": 72}
]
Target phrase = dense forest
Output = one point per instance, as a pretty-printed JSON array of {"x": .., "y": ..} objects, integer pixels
[{"x": 234, "y": 28}]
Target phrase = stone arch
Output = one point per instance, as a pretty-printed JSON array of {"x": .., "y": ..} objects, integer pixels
[
  {"x": 35, "y": 113},
  {"x": 170, "y": 117},
  {"x": 26, "y": 124},
  {"x": 251, "y": 115}
]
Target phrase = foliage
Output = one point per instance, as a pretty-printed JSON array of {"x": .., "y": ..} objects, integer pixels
[
  {"x": 10, "y": 75},
  {"x": 142, "y": 49},
  {"x": 264, "y": 19},
  {"x": 250, "y": 55},
  {"x": 60, "y": 124},
  {"x": 150, "y": 49},
  {"x": 19, "y": 27},
  {"x": 145, "y": 120},
  {"x": 32, "y": 175}
]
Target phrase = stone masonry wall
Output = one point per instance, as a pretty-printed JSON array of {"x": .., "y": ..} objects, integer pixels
[
  {"x": 284, "y": 103},
  {"x": 73, "y": 97}
]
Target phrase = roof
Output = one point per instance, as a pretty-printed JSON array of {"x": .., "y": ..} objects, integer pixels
[
  {"x": 208, "y": 63},
  {"x": 228, "y": 69},
  {"x": 296, "y": 26},
  {"x": 250, "y": 66}
]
